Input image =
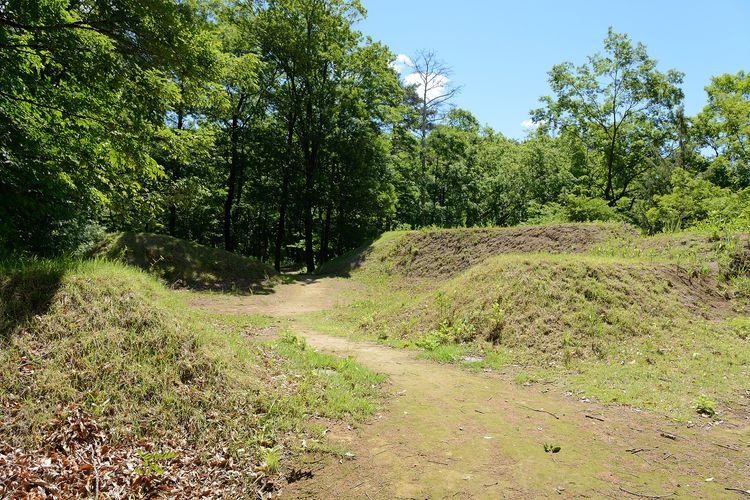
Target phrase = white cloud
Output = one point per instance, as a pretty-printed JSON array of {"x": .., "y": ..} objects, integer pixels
[
  {"x": 436, "y": 84},
  {"x": 402, "y": 63},
  {"x": 529, "y": 124}
]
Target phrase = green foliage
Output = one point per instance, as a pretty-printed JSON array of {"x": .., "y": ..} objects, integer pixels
[
  {"x": 620, "y": 108},
  {"x": 447, "y": 332},
  {"x": 277, "y": 130},
  {"x": 724, "y": 127},
  {"x": 584, "y": 209},
  {"x": 697, "y": 202},
  {"x": 271, "y": 460},
  {"x": 551, "y": 448},
  {"x": 84, "y": 86},
  {"x": 705, "y": 406},
  {"x": 151, "y": 462}
]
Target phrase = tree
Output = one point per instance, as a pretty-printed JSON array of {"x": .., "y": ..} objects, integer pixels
[
  {"x": 83, "y": 86},
  {"x": 428, "y": 89},
  {"x": 723, "y": 127},
  {"x": 319, "y": 63},
  {"x": 620, "y": 107}
]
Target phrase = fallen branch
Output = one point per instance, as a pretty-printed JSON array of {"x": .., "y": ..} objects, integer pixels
[
  {"x": 592, "y": 417},
  {"x": 540, "y": 411},
  {"x": 727, "y": 447},
  {"x": 644, "y": 496},
  {"x": 668, "y": 435},
  {"x": 96, "y": 472},
  {"x": 739, "y": 490},
  {"x": 635, "y": 451},
  {"x": 388, "y": 448},
  {"x": 437, "y": 462}
]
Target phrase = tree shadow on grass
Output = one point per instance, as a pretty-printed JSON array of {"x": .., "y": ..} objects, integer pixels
[
  {"x": 27, "y": 290},
  {"x": 183, "y": 264},
  {"x": 343, "y": 266}
]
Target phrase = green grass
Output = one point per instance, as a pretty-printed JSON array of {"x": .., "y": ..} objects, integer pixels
[
  {"x": 111, "y": 340},
  {"x": 652, "y": 322},
  {"x": 182, "y": 263}
]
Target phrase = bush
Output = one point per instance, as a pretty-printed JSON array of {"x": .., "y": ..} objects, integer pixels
[{"x": 584, "y": 209}]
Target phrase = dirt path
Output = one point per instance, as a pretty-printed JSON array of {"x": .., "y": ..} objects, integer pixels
[{"x": 450, "y": 433}]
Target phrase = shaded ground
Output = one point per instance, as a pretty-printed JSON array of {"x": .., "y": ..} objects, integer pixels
[
  {"x": 449, "y": 433},
  {"x": 184, "y": 264}
]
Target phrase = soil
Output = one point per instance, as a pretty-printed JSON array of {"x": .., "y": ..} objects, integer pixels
[
  {"x": 444, "y": 432},
  {"x": 459, "y": 249}
]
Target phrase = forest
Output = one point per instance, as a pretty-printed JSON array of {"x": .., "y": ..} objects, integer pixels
[{"x": 275, "y": 129}]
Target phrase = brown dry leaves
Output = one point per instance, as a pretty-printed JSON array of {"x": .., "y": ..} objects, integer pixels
[{"x": 77, "y": 462}]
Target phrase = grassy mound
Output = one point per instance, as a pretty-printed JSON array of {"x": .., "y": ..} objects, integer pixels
[
  {"x": 656, "y": 322},
  {"x": 98, "y": 358},
  {"x": 185, "y": 264},
  {"x": 561, "y": 306},
  {"x": 447, "y": 252}
]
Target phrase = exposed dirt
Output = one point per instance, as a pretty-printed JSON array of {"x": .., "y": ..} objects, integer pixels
[
  {"x": 305, "y": 294},
  {"x": 449, "y": 433},
  {"x": 449, "y": 252}
]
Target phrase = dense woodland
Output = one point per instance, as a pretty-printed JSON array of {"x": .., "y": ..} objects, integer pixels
[{"x": 277, "y": 130}]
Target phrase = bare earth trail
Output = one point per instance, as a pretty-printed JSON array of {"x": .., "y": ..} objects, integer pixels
[{"x": 450, "y": 433}]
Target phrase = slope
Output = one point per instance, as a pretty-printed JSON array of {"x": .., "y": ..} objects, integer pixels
[
  {"x": 182, "y": 263},
  {"x": 110, "y": 385}
]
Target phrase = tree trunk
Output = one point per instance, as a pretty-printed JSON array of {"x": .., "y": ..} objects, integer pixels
[
  {"x": 286, "y": 168},
  {"x": 231, "y": 186},
  {"x": 326, "y": 235},
  {"x": 281, "y": 227},
  {"x": 309, "y": 255},
  {"x": 175, "y": 176}
]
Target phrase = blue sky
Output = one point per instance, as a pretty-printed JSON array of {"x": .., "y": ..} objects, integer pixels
[{"x": 500, "y": 51}]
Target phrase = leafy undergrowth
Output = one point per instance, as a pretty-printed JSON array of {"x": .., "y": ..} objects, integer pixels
[
  {"x": 182, "y": 263},
  {"x": 110, "y": 385},
  {"x": 657, "y": 323}
]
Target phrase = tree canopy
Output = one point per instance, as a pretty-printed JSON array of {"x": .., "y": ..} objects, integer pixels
[{"x": 276, "y": 129}]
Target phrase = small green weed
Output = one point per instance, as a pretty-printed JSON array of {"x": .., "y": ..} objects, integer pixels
[
  {"x": 152, "y": 462},
  {"x": 705, "y": 406},
  {"x": 271, "y": 460},
  {"x": 552, "y": 448}
]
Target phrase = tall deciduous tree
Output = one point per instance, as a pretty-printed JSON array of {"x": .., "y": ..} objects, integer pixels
[
  {"x": 723, "y": 126},
  {"x": 620, "y": 106},
  {"x": 82, "y": 87}
]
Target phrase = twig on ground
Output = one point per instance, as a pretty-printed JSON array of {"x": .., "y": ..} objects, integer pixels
[
  {"x": 388, "y": 448},
  {"x": 727, "y": 447},
  {"x": 644, "y": 496},
  {"x": 493, "y": 484},
  {"x": 96, "y": 472},
  {"x": 592, "y": 417},
  {"x": 540, "y": 411},
  {"x": 739, "y": 490},
  {"x": 635, "y": 451},
  {"x": 437, "y": 462},
  {"x": 668, "y": 435}
]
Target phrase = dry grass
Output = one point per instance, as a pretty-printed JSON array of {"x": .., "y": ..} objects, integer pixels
[{"x": 111, "y": 343}]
